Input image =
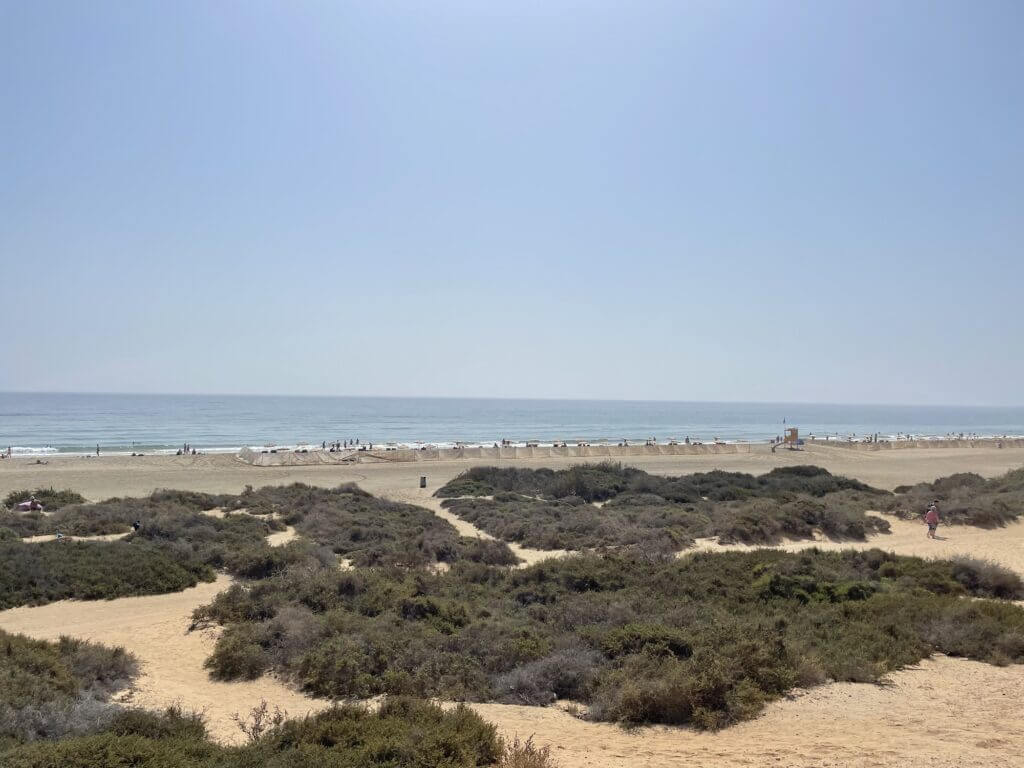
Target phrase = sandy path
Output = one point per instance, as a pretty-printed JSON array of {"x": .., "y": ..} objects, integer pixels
[
  {"x": 1001, "y": 545},
  {"x": 423, "y": 498},
  {"x": 100, "y": 537},
  {"x": 280, "y": 538},
  {"x": 275, "y": 539}
]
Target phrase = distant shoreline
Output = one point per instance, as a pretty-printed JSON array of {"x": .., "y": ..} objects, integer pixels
[{"x": 274, "y": 455}]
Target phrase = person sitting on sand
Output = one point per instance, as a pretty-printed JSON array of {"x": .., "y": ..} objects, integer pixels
[{"x": 931, "y": 517}]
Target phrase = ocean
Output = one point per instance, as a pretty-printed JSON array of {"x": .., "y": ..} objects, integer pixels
[{"x": 37, "y": 424}]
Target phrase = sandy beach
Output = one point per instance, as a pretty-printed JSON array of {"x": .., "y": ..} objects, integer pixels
[
  {"x": 943, "y": 712},
  {"x": 105, "y": 476}
]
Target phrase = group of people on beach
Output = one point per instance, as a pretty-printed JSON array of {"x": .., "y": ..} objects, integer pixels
[{"x": 342, "y": 445}]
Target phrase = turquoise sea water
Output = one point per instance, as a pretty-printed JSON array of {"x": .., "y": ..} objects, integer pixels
[{"x": 76, "y": 423}]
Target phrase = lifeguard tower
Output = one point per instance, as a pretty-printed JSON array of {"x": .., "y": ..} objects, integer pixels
[{"x": 792, "y": 439}]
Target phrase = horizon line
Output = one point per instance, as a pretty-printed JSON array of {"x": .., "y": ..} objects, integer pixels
[{"x": 498, "y": 398}]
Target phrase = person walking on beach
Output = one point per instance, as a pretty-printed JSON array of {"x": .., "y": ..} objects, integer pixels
[{"x": 931, "y": 518}]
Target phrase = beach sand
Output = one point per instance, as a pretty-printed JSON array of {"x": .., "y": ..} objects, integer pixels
[
  {"x": 943, "y": 712},
  {"x": 106, "y": 476}
]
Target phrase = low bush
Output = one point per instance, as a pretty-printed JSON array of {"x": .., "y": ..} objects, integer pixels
[
  {"x": 403, "y": 733},
  {"x": 33, "y": 574},
  {"x": 24, "y": 523},
  {"x": 964, "y": 499},
  {"x": 55, "y": 712},
  {"x": 51, "y": 690},
  {"x": 606, "y": 480},
  {"x": 367, "y": 530},
  {"x": 50, "y": 498},
  {"x": 646, "y": 520},
  {"x": 350, "y": 522}
]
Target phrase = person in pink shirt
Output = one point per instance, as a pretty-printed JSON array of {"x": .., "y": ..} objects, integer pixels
[{"x": 931, "y": 517}]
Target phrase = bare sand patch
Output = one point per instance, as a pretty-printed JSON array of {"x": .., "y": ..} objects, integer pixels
[
  {"x": 53, "y": 537},
  {"x": 280, "y": 538},
  {"x": 423, "y": 498}
]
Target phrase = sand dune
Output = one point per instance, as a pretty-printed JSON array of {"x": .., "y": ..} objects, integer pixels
[{"x": 944, "y": 712}]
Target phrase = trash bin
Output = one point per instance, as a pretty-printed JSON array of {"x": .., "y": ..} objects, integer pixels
[{"x": 423, "y": 481}]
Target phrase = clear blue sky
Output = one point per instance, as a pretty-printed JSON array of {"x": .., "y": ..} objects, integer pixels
[{"x": 804, "y": 201}]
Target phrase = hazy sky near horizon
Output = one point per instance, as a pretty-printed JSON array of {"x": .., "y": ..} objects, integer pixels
[{"x": 788, "y": 201}]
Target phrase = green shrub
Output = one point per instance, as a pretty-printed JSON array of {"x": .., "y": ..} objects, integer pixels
[
  {"x": 238, "y": 655},
  {"x": 646, "y": 638},
  {"x": 606, "y": 480},
  {"x": 172, "y": 723},
  {"x": 34, "y": 574},
  {"x": 50, "y": 498},
  {"x": 403, "y": 733},
  {"x": 25, "y": 523},
  {"x": 51, "y": 690},
  {"x": 653, "y": 523},
  {"x": 367, "y": 530},
  {"x": 964, "y": 499}
]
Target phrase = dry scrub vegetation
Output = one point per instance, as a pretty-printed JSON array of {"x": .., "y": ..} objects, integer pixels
[
  {"x": 705, "y": 640},
  {"x": 177, "y": 545},
  {"x": 965, "y": 499},
  {"x": 55, "y": 712},
  {"x": 548, "y": 509}
]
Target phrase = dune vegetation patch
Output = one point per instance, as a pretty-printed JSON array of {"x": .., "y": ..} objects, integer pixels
[
  {"x": 52, "y": 690},
  {"x": 368, "y": 530},
  {"x": 606, "y": 480},
  {"x": 34, "y": 574},
  {"x": 56, "y": 710},
  {"x": 401, "y": 733},
  {"x": 549, "y": 509},
  {"x": 50, "y": 498},
  {"x": 176, "y": 545},
  {"x": 705, "y": 640},
  {"x": 964, "y": 499}
]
